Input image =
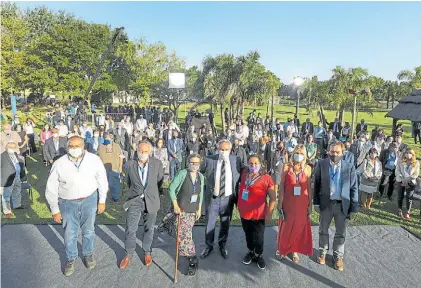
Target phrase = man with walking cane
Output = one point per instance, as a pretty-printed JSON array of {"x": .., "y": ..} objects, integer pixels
[{"x": 144, "y": 178}]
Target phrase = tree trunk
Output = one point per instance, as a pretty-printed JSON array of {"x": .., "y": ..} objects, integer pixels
[
  {"x": 341, "y": 114},
  {"x": 322, "y": 116},
  {"x": 222, "y": 117},
  {"x": 393, "y": 99},
  {"x": 387, "y": 100},
  {"x": 242, "y": 108}
]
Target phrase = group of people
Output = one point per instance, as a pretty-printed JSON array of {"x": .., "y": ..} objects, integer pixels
[{"x": 257, "y": 166}]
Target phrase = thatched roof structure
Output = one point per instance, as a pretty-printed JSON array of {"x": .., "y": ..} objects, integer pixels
[{"x": 409, "y": 108}]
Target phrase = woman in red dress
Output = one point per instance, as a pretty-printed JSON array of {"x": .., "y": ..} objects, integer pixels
[{"x": 294, "y": 202}]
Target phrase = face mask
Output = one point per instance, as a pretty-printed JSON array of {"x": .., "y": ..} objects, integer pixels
[
  {"x": 96, "y": 135},
  {"x": 254, "y": 169},
  {"x": 335, "y": 159},
  {"x": 330, "y": 135},
  {"x": 225, "y": 155},
  {"x": 75, "y": 152},
  {"x": 18, "y": 129},
  {"x": 298, "y": 157},
  {"x": 373, "y": 155},
  {"x": 55, "y": 135},
  {"x": 347, "y": 147},
  {"x": 193, "y": 167},
  {"x": 193, "y": 139},
  {"x": 11, "y": 151},
  {"x": 144, "y": 157},
  {"x": 107, "y": 142}
]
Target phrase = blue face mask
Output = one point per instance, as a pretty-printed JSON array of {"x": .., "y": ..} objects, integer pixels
[{"x": 107, "y": 142}]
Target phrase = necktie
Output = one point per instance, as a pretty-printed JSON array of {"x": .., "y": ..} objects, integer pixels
[{"x": 222, "y": 180}]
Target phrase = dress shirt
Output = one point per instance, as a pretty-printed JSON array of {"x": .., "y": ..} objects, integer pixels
[
  {"x": 143, "y": 174},
  {"x": 228, "y": 178},
  {"x": 334, "y": 177},
  {"x": 62, "y": 130},
  {"x": 69, "y": 181},
  {"x": 291, "y": 128},
  {"x": 56, "y": 143},
  {"x": 141, "y": 124},
  {"x": 29, "y": 129}
]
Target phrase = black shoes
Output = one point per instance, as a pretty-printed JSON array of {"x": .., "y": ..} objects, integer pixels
[
  {"x": 260, "y": 262},
  {"x": 206, "y": 252},
  {"x": 248, "y": 258},
  {"x": 224, "y": 252},
  {"x": 193, "y": 266}
]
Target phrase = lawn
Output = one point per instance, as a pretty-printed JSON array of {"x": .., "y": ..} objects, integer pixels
[{"x": 37, "y": 211}]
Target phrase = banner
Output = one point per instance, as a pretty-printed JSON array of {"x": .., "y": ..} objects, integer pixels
[{"x": 13, "y": 104}]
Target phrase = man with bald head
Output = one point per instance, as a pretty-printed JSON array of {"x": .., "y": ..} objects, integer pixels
[
  {"x": 145, "y": 177},
  {"x": 12, "y": 171},
  {"x": 77, "y": 189},
  {"x": 54, "y": 147},
  {"x": 7, "y": 135}
]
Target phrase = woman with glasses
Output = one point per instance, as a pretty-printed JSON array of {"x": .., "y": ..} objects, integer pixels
[{"x": 186, "y": 194}]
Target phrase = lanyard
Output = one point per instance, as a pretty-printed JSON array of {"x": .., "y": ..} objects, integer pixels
[
  {"x": 333, "y": 174},
  {"x": 75, "y": 163},
  {"x": 251, "y": 181},
  {"x": 297, "y": 176},
  {"x": 194, "y": 182},
  {"x": 142, "y": 175}
]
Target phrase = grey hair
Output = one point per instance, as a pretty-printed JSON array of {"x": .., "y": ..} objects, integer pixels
[
  {"x": 194, "y": 155},
  {"x": 145, "y": 142},
  {"x": 224, "y": 141},
  {"x": 74, "y": 137}
]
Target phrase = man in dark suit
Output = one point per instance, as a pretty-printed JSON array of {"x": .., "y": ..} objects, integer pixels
[
  {"x": 69, "y": 123},
  {"x": 348, "y": 154},
  {"x": 335, "y": 197},
  {"x": 336, "y": 128},
  {"x": 307, "y": 126},
  {"x": 240, "y": 152},
  {"x": 361, "y": 127},
  {"x": 121, "y": 137},
  {"x": 55, "y": 147},
  {"x": 222, "y": 172},
  {"x": 175, "y": 150},
  {"x": 12, "y": 171},
  {"x": 144, "y": 179}
]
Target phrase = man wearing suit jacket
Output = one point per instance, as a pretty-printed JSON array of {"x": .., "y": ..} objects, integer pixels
[
  {"x": 336, "y": 128},
  {"x": 70, "y": 123},
  {"x": 335, "y": 197},
  {"x": 307, "y": 126},
  {"x": 121, "y": 137},
  {"x": 175, "y": 150},
  {"x": 54, "y": 147},
  {"x": 348, "y": 155},
  {"x": 144, "y": 178},
  {"x": 222, "y": 174},
  {"x": 361, "y": 127},
  {"x": 12, "y": 171}
]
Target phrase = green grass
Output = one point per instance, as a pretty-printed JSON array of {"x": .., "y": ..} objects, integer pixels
[{"x": 382, "y": 213}]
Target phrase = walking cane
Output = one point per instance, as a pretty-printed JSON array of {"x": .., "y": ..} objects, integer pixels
[{"x": 177, "y": 243}]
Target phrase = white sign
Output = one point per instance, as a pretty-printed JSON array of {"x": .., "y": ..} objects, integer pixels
[
  {"x": 53, "y": 96},
  {"x": 177, "y": 80}
]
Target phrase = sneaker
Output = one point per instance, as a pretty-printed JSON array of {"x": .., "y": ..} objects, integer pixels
[
  {"x": 70, "y": 268},
  {"x": 90, "y": 262},
  {"x": 248, "y": 258},
  {"x": 339, "y": 264},
  {"x": 321, "y": 259},
  {"x": 278, "y": 255},
  {"x": 261, "y": 262}
]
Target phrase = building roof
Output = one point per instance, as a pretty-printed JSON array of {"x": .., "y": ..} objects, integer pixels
[{"x": 409, "y": 107}]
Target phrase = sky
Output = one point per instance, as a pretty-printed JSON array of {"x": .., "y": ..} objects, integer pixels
[{"x": 292, "y": 38}]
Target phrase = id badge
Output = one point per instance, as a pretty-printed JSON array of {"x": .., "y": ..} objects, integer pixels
[
  {"x": 277, "y": 163},
  {"x": 193, "y": 198},
  {"x": 191, "y": 152},
  {"x": 245, "y": 195},
  {"x": 297, "y": 190}
]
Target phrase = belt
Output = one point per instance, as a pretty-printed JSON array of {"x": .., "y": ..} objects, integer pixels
[
  {"x": 336, "y": 201},
  {"x": 80, "y": 199}
]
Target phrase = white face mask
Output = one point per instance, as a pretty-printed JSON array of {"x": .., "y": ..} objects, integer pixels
[
  {"x": 55, "y": 135},
  {"x": 75, "y": 152},
  {"x": 11, "y": 151},
  {"x": 298, "y": 157},
  {"x": 225, "y": 155},
  {"x": 144, "y": 157}
]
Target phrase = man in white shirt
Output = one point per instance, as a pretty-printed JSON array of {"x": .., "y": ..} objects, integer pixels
[
  {"x": 128, "y": 125},
  {"x": 222, "y": 173},
  {"x": 141, "y": 123},
  {"x": 77, "y": 186},
  {"x": 84, "y": 129},
  {"x": 62, "y": 129}
]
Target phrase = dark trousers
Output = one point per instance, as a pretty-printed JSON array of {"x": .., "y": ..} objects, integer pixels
[
  {"x": 387, "y": 179},
  {"x": 401, "y": 194},
  {"x": 31, "y": 142},
  {"x": 222, "y": 207},
  {"x": 136, "y": 211},
  {"x": 417, "y": 134},
  {"x": 255, "y": 234}
]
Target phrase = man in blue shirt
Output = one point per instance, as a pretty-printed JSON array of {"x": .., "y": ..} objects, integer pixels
[{"x": 335, "y": 197}]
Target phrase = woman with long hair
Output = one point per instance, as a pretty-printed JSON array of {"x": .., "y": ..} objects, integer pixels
[
  {"x": 74, "y": 132},
  {"x": 407, "y": 172},
  {"x": 160, "y": 152},
  {"x": 23, "y": 145},
  {"x": 294, "y": 205},
  {"x": 256, "y": 186}
]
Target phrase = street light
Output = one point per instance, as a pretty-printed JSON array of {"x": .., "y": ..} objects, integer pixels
[{"x": 297, "y": 82}]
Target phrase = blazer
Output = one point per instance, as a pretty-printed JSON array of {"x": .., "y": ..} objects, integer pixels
[
  {"x": 153, "y": 189},
  {"x": 123, "y": 139},
  {"x": 178, "y": 148},
  {"x": 332, "y": 125},
  {"x": 310, "y": 129},
  {"x": 240, "y": 152},
  {"x": 50, "y": 152},
  {"x": 349, "y": 157},
  {"x": 359, "y": 128},
  {"x": 8, "y": 169},
  {"x": 349, "y": 186},
  {"x": 208, "y": 168},
  {"x": 69, "y": 127}
]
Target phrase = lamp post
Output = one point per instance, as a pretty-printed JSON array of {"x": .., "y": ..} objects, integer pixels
[{"x": 297, "y": 82}]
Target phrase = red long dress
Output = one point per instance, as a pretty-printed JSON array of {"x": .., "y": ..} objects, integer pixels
[{"x": 295, "y": 232}]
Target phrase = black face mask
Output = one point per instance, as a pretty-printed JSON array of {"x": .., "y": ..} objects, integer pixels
[{"x": 335, "y": 159}]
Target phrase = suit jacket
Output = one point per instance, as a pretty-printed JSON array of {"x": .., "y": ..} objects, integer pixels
[
  {"x": 123, "y": 139},
  {"x": 349, "y": 157},
  {"x": 359, "y": 128},
  {"x": 208, "y": 168},
  {"x": 240, "y": 152},
  {"x": 154, "y": 183},
  {"x": 178, "y": 148},
  {"x": 8, "y": 169},
  {"x": 310, "y": 129},
  {"x": 332, "y": 125},
  {"x": 69, "y": 127},
  {"x": 348, "y": 184},
  {"x": 50, "y": 152}
]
